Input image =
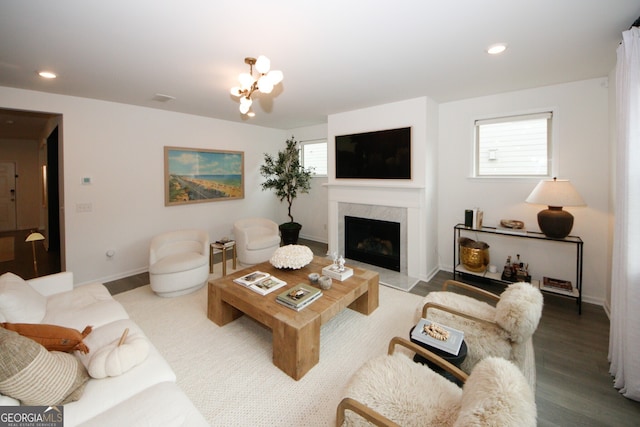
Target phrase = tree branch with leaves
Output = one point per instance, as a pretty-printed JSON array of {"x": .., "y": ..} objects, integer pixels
[{"x": 285, "y": 174}]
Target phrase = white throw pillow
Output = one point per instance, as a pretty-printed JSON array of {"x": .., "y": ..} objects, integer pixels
[
  {"x": 19, "y": 302},
  {"x": 105, "y": 358}
]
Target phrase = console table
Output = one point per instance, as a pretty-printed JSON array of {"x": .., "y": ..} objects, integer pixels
[{"x": 459, "y": 270}]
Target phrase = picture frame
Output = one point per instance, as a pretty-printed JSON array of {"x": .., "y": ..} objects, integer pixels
[{"x": 196, "y": 175}]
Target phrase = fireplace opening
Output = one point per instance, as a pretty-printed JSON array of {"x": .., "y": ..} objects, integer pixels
[{"x": 373, "y": 241}]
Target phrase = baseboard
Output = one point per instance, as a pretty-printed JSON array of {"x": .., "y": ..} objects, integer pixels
[
  {"x": 118, "y": 276},
  {"x": 314, "y": 238}
]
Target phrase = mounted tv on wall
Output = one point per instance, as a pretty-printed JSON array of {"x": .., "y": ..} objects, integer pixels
[{"x": 384, "y": 154}]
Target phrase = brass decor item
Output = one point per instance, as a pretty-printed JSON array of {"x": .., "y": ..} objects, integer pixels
[{"x": 474, "y": 255}]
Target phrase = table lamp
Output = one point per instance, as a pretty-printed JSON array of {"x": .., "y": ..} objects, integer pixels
[
  {"x": 33, "y": 238},
  {"x": 555, "y": 193}
]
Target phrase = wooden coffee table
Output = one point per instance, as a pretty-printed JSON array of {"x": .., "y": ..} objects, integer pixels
[{"x": 296, "y": 334}]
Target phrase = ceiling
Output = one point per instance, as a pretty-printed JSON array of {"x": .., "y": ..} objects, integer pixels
[{"x": 336, "y": 55}]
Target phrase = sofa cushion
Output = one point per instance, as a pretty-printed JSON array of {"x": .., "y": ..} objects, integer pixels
[
  {"x": 35, "y": 376},
  {"x": 85, "y": 305},
  {"x": 52, "y": 337},
  {"x": 163, "y": 404},
  {"x": 178, "y": 262},
  {"x": 20, "y": 302},
  {"x": 102, "y": 394}
]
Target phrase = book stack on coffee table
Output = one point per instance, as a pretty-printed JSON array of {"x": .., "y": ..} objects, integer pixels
[
  {"x": 299, "y": 296},
  {"x": 259, "y": 282}
]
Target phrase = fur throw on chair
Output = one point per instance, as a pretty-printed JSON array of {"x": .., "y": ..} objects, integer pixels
[
  {"x": 495, "y": 394},
  {"x": 515, "y": 318},
  {"x": 519, "y": 311}
]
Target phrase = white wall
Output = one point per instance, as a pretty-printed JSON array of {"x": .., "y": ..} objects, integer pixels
[
  {"x": 581, "y": 138},
  {"x": 121, "y": 148},
  {"x": 311, "y": 209}
]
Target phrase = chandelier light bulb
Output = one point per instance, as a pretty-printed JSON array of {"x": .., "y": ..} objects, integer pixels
[
  {"x": 245, "y": 106},
  {"x": 263, "y": 64},
  {"x": 265, "y": 85},
  {"x": 246, "y": 81},
  {"x": 236, "y": 91},
  {"x": 276, "y": 76}
]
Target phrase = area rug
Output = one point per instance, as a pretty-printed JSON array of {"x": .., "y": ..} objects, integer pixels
[
  {"x": 228, "y": 374},
  {"x": 7, "y": 249}
]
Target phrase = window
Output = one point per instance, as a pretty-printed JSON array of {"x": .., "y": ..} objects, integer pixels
[
  {"x": 314, "y": 156},
  {"x": 514, "y": 146}
]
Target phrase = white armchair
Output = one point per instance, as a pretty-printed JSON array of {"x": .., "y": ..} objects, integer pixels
[
  {"x": 179, "y": 262},
  {"x": 256, "y": 240}
]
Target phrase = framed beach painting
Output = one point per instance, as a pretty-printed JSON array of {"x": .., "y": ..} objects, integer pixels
[{"x": 194, "y": 175}]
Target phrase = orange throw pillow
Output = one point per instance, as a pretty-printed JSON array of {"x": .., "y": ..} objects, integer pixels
[{"x": 52, "y": 337}]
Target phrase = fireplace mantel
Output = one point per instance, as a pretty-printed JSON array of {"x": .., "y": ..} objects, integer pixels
[{"x": 377, "y": 198}]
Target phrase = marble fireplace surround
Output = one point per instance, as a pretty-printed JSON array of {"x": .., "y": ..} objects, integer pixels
[
  {"x": 404, "y": 205},
  {"x": 382, "y": 213}
]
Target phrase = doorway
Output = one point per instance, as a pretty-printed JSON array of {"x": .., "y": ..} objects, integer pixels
[{"x": 31, "y": 187}]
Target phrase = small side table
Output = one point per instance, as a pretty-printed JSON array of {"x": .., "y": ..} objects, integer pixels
[
  {"x": 455, "y": 360},
  {"x": 222, "y": 247}
]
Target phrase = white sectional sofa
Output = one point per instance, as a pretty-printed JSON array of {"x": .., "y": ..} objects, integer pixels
[{"x": 145, "y": 394}]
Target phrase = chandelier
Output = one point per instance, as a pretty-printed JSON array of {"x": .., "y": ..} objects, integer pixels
[{"x": 264, "y": 82}]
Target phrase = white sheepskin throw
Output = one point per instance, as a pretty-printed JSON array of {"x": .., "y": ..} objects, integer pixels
[
  {"x": 497, "y": 394},
  {"x": 482, "y": 340},
  {"x": 519, "y": 310},
  {"x": 406, "y": 392}
]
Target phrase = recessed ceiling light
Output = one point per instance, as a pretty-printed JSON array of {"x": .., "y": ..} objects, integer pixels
[
  {"x": 47, "y": 74},
  {"x": 496, "y": 49}
]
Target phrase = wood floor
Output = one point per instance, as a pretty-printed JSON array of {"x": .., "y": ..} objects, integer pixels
[{"x": 574, "y": 387}]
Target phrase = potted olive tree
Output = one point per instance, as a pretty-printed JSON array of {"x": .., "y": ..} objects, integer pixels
[{"x": 286, "y": 176}]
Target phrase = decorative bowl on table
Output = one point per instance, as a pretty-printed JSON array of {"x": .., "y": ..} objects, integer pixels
[{"x": 291, "y": 257}]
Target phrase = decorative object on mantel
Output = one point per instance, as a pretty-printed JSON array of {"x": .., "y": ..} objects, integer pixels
[
  {"x": 291, "y": 256},
  {"x": 264, "y": 83},
  {"x": 286, "y": 176},
  {"x": 474, "y": 255},
  {"x": 555, "y": 193}
]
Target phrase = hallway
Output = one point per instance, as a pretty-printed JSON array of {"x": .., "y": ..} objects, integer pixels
[{"x": 22, "y": 263}]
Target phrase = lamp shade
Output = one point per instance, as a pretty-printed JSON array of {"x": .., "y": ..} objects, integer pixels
[
  {"x": 555, "y": 192},
  {"x": 33, "y": 237},
  {"x": 554, "y": 222}
]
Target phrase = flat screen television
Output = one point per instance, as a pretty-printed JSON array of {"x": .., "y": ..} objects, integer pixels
[{"x": 384, "y": 154}]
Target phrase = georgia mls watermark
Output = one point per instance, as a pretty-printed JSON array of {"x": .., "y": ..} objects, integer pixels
[{"x": 31, "y": 416}]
